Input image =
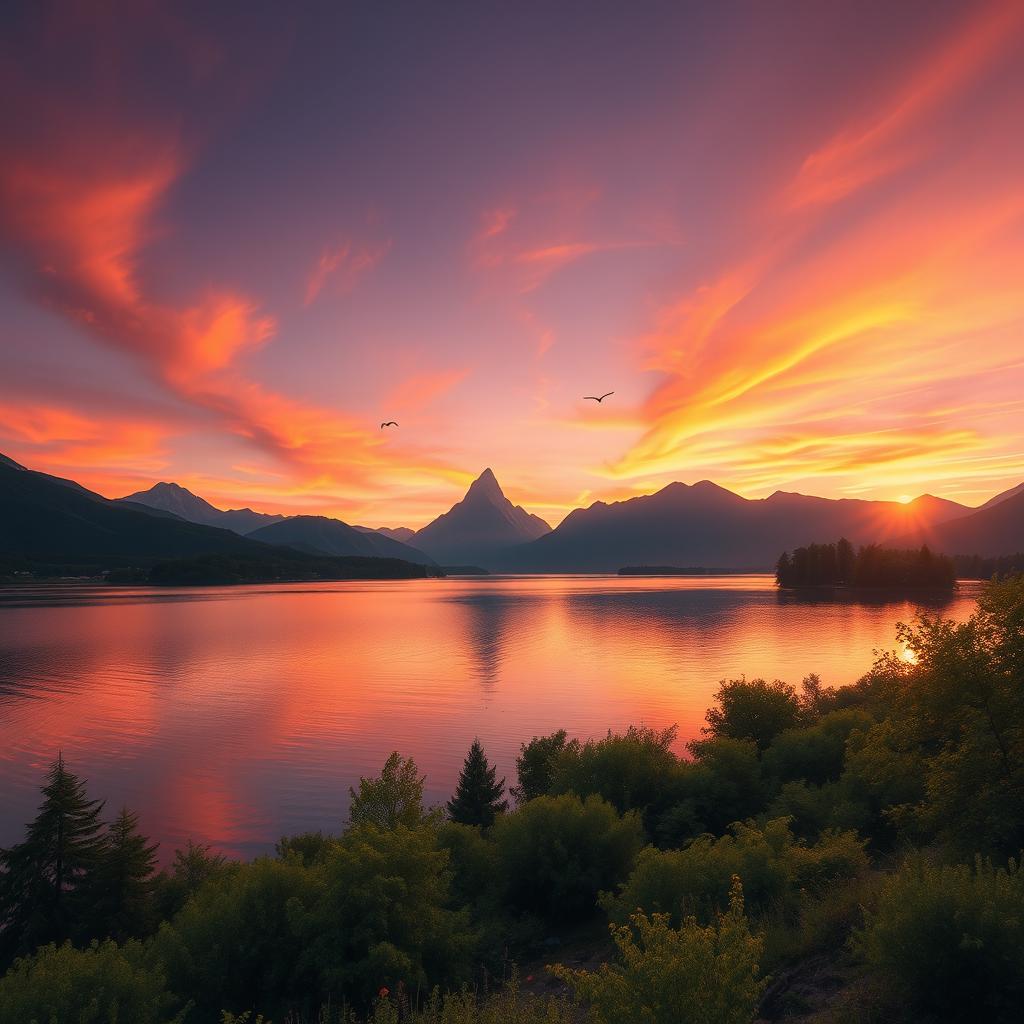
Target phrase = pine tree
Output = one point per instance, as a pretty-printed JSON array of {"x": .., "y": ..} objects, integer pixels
[
  {"x": 46, "y": 882},
  {"x": 125, "y": 880},
  {"x": 478, "y": 796}
]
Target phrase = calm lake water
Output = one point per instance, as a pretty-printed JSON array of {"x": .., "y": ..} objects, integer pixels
[{"x": 236, "y": 715}]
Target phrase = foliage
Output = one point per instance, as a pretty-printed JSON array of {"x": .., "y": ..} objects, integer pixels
[
  {"x": 815, "y": 754},
  {"x": 725, "y": 783},
  {"x": 773, "y": 865},
  {"x": 753, "y": 710},
  {"x": 636, "y": 770},
  {"x": 307, "y": 847},
  {"x": 393, "y": 798},
  {"x": 975, "y": 567},
  {"x": 381, "y": 916},
  {"x": 478, "y": 796},
  {"x": 508, "y": 1006},
  {"x": 950, "y": 940},
  {"x": 233, "y": 944},
  {"x": 956, "y": 722},
  {"x": 871, "y": 566},
  {"x": 704, "y": 974},
  {"x": 47, "y": 882},
  {"x": 191, "y": 869},
  {"x": 555, "y": 854},
  {"x": 101, "y": 984},
  {"x": 535, "y": 765},
  {"x": 125, "y": 880}
]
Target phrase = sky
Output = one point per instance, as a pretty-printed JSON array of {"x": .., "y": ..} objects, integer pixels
[{"x": 234, "y": 238}]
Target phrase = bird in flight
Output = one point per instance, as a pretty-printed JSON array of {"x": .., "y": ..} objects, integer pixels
[
  {"x": 596, "y": 398},
  {"x": 388, "y": 423}
]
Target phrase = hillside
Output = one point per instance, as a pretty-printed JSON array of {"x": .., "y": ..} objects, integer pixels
[
  {"x": 320, "y": 535},
  {"x": 181, "y": 502}
]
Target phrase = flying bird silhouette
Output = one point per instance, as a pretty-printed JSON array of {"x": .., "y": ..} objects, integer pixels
[
  {"x": 595, "y": 398},
  {"x": 388, "y": 423}
]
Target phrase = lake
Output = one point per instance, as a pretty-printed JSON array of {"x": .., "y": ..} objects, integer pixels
[{"x": 236, "y": 715}]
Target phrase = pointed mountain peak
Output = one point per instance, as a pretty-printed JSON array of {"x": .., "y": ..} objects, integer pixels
[{"x": 486, "y": 486}]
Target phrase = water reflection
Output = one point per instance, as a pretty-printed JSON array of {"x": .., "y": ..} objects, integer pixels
[{"x": 237, "y": 715}]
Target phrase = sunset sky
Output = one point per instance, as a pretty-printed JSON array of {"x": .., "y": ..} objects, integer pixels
[{"x": 788, "y": 236}]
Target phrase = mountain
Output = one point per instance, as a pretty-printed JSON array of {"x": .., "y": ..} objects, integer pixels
[
  {"x": 173, "y": 498},
  {"x": 10, "y": 463},
  {"x": 991, "y": 530},
  {"x": 399, "y": 533},
  {"x": 319, "y": 535},
  {"x": 480, "y": 528},
  {"x": 1000, "y": 498},
  {"x": 707, "y": 525},
  {"x": 43, "y": 519}
]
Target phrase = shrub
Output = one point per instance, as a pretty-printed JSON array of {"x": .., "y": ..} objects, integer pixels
[
  {"x": 696, "y": 973},
  {"x": 381, "y": 915},
  {"x": 393, "y": 798},
  {"x": 753, "y": 710},
  {"x": 556, "y": 853},
  {"x": 950, "y": 940},
  {"x": 725, "y": 783},
  {"x": 772, "y": 865},
  {"x": 101, "y": 984},
  {"x": 234, "y": 945},
  {"x": 636, "y": 770},
  {"x": 535, "y": 764},
  {"x": 509, "y": 1006},
  {"x": 816, "y": 753}
]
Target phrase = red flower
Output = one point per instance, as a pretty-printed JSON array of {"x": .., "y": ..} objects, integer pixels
[
  {"x": 383, "y": 993},
  {"x": 529, "y": 977}
]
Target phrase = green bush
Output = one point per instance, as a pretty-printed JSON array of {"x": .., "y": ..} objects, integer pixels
[
  {"x": 509, "y": 1006},
  {"x": 101, "y": 984},
  {"x": 555, "y": 854},
  {"x": 773, "y": 866},
  {"x": 753, "y": 710},
  {"x": 381, "y": 915},
  {"x": 701, "y": 974},
  {"x": 725, "y": 783},
  {"x": 815, "y": 753},
  {"x": 535, "y": 765},
  {"x": 636, "y": 770},
  {"x": 950, "y": 940},
  {"x": 233, "y": 945}
]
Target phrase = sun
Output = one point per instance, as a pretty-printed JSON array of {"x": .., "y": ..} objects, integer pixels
[{"x": 904, "y": 499}]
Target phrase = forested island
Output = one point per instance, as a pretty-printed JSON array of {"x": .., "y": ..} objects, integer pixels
[
  {"x": 663, "y": 570},
  {"x": 839, "y": 854},
  {"x": 869, "y": 566}
]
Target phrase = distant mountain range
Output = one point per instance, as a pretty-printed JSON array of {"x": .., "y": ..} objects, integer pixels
[
  {"x": 703, "y": 525},
  {"x": 707, "y": 525},
  {"x": 319, "y": 535},
  {"x": 481, "y": 529},
  {"x": 52, "y": 526},
  {"x": 183, "y": 503}
]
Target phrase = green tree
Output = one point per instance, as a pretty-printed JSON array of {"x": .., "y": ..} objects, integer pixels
[
  {"x": 478, "y": 796},
  {"x": 753, "y": 710},
  {"x": 555, "y": 854},
  {"x": 101, "y": 984},
  {"x": 535, "y": 765},
  {"x": 47, "y": 881},
  {"x": 696, "y": 973},
  {"x": 956, "y": 723},
  {"x": 125, "y": 880},
  {"x": 394, "y": 798}
]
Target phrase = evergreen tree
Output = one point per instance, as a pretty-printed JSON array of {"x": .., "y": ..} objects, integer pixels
[
  {"x": 125, "y": 880},
  {"x": 478, "y": 795},
  {"x": 46, "y": 882}
]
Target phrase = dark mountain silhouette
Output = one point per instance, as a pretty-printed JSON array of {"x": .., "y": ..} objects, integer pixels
[
  {"x": 50, "y": 526},
  {"x": 707, "y": 525},
  {"x": 44, "y": 519},
  {"x": 10, "y": 463},
  {"x": 992, "y": 530},
  {"x": 319, "y": 535},
  {"x": 178, "y": 500},
  {"x": 399, "y": 533},
  {"x": 998, "y": 499},
  {"x": 478, "y": 529}
]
